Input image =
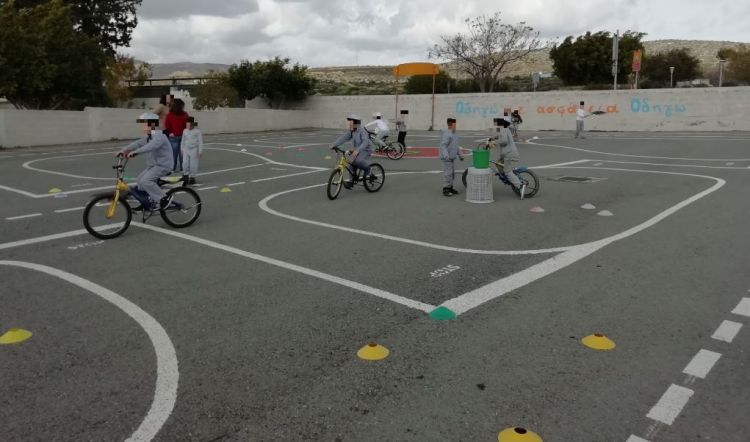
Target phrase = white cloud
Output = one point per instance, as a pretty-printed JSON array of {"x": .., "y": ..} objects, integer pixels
[{"x": 344, "y": 32}]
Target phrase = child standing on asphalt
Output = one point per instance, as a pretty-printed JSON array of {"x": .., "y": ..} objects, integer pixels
[
  {"x": 192, "y": 150},
  {"x": 449, "y": 151}
]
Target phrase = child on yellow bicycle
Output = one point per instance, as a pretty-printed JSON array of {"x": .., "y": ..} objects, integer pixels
[
  {"x": 360, "y": 156},
  {"x": 159, "y": 162}
]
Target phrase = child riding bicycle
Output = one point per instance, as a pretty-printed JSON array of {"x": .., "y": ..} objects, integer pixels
[
  {"x": 159, "y": 162},
  {"x": 508, "y": 151},
  {"x": 360, "y": 156}
]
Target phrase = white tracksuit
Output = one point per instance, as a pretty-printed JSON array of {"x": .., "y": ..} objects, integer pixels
[{"x": 192, "y": 148}]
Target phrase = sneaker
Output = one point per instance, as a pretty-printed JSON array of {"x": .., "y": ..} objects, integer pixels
[
  {"x": 447, "y": 191},
  {"x": 454, "y": 191},
  {"x": 192, "y": 180},
  {"x": 348, "y": 184},
  {"x": 165, "y": 202}
]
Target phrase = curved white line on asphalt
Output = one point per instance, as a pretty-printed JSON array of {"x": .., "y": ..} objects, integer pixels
[
  {"x": 494, "y": 290},
  {"x": 263, "y": 204},
  {"x": 167, "y": 374},
  {"x": 630, "y": 155},
  {"x": 28, "y": 164}
]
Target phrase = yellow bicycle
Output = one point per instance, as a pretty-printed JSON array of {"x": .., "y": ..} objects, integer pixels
[
  {"x": 373, "y": 182},
  {"x": 108, "y": 214}
]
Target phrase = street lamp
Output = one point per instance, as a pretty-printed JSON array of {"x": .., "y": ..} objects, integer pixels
[
  {"x": 721, "y": 72},
  {"x": 671, "y": 76}
]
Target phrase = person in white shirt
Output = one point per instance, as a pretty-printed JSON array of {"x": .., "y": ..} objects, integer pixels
[
  {"x": 192, "y": 150},
  {"x": 382, "y": 129},
  {"x": 581, "y": 114}
]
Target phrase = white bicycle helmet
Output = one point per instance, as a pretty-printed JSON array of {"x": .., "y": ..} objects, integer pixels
[{"x": 148, "y": 117}]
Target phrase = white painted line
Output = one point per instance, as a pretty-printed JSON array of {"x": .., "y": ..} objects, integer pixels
[
  {"x": 167, "y": 373},
  {"x": 593, "y": 246},
  {"x": 636, "y": 156},
  {"x": 475, "y": 298},
  {"x": 634, "y": 438},
  {"x": 267, "y": 160},
  {"x": 743, "y": 308},
  {"x": 207, "y": 188},
  {"x": 27, "y": 165},
  {"x": 236, "y": 184},
  {"x": 727, "y": 331},
  {"x": 670, "y": 405},
  {"x": 549, "y": 166},
  {"x": 702, "y": 363},
  {"x": 674, "y": 165},
  {"x": 40, "y": 239},
  {"x": 305, "y": 145},
  {"x": 293, "y": 267},
  {"x": 19, "y": 191},
  {"x": 14, "y": 218},
  {"x": 229, "y": 170},
  {"x": 81, "y": 185},
  {"x": 285, "y": 176},
  {"x": 72, "y": 209}
]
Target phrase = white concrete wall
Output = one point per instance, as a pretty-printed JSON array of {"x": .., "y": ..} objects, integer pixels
[
  {"x": 38, "y": 128},
  {"x": 699, "y": 109}
]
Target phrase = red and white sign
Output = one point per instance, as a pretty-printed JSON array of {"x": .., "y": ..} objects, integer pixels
[{"x": 637, "y": 55}]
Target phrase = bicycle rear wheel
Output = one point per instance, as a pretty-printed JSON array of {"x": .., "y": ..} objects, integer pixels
[
  {"x": 104, "y": 223},
  {"x": 531, "y": 181},
  {"x": 335, "y": 183},
  {"x": 184, "y": 208},
  {"x": 376, "y": 179},
  {"x": 395, "y": 151}
]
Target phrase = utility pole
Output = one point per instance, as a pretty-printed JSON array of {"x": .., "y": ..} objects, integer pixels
[
  {"x": 721, "y": 72},
  {"x": 671, "y": 76},
  {"x": 615, "y": 55}
]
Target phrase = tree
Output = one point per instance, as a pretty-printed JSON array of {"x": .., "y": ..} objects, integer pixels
[
  {"x": 46, "y": 63},
  {"x": 422, "y": 84},
  {"x": 119, "y": 69},
  {"x": 738, "y": 68},
  {"x": 215, "y": 92},
  {"x": 656, "y": 67},
  {"x": 588, "y": 58},
  {"x": 110, "y": 22},
  {"x": 487, "y": 48},
  {"x": 272, "y": 80}
]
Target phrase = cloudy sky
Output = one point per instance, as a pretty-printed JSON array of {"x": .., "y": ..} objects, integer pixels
[{"x": 387, "y": 32}]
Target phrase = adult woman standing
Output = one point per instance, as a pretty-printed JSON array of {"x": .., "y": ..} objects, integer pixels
[
  {"x": 162, "y": 109},
  {"x": 174, "y": 125}
]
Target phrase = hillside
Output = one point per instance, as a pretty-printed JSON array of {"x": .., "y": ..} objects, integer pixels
[{"x": 379, "y": 79}]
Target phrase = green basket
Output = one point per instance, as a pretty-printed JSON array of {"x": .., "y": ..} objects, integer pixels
[{"x": 481, "y": 159}]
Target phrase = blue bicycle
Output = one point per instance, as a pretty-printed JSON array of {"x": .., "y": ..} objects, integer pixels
[{"x": 529, "y": 180}]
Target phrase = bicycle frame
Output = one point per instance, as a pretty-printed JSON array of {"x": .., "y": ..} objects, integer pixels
[{"x": 120, "y": 186}]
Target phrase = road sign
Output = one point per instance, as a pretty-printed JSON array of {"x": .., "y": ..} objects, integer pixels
[{"x": 637, "y": 57}]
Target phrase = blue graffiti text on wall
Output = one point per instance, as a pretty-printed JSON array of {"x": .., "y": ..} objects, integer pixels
[
  {"x": 641, "y": 105},
  {"x": 465, "y": 108}
]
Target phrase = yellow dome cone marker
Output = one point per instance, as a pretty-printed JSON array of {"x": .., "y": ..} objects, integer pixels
[
  {"x": 327, "y": 157},
  {"x": 14, "y": 336},
  {"x": 55, "y": 190},
  {"x": 225, "y": 190},
  {"x": 598, "y": 341},
  {"x": 373, "y": 352},
  {"x": 518, "y": 434}
]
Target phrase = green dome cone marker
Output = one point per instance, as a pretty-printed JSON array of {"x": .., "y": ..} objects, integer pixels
[{"x": 442, "y": 314}]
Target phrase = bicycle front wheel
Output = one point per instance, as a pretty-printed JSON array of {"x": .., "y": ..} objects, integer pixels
[
  {"x": 531, "y": 181},
  {"x": 105, "y": 218},
  {"x": 335, "y": 183},
  {"x": 396, "y": 151},
  {"x": 184, "y": 207},
  {"x": 376, "y": 179}
]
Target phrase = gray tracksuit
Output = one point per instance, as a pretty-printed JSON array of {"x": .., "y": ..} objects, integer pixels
[
  {"x": 192, "y": 148},
  {"x": 508, "y": 154},
  {"x": 158, "y": 163},
  {"x": 449, "y": 151},
  {"x": 362, "y": 144}
]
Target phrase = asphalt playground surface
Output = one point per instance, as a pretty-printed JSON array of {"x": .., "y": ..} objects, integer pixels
[{"x": 246, "y": 325}]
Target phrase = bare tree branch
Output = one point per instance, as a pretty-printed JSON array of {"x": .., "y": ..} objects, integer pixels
[{"x": 487, "y": 48}]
